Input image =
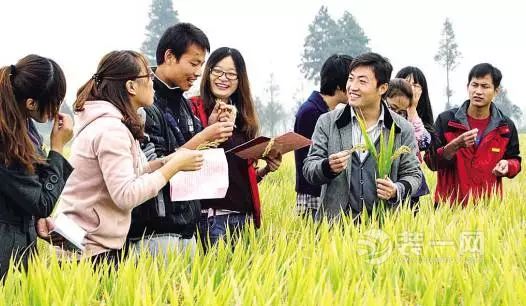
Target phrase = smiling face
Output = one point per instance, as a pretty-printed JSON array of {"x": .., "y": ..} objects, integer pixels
[
  {"x": 183, "y": 72},
  {"x": 362, "y": 89},
  {"x": 224, "y": 78}
]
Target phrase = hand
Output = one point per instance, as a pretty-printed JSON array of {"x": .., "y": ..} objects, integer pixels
[
  {"x": 218, "y": 109},
  {"x": 43, "y": 227},
  {"x": 273, "y": 160},
  {"x": 149, "y": 151},
  {"x": 338, "y": 161},
  {"x": 186, "y": 160},
  {"x": 62, "y": 132},
  {"x": 466, "y": 139},
  {"x": 501, "y": 169},
  {"x": 385, "y": 188},
  {"x": 219, "y": 131},
  {"x": 229, "y": 113}
]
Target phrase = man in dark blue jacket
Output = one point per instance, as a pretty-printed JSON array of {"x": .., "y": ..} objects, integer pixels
[{"x": 334, "y": 74}]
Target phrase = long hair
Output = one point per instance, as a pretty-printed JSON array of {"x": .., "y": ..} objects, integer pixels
[
  {"x": 33, "y": 77},
  {"x": 242, "y": 98},
  {"x": 109, "y": 84},
  {"x": 424, "y": 110}
]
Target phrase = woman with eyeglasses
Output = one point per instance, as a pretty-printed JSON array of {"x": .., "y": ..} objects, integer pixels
[
  {"x": 30, "y": 180},
  {"x": 111, "y": 175},
  {"x": 401, "y": 99},
  {"x": 225, "y": 95}
]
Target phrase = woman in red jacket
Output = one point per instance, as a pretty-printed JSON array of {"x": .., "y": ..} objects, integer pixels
[{"x": 225, "y": 95}]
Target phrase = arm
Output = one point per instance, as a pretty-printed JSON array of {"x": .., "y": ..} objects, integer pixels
[
  {"x": 409, "y": 171},
  {"x": 512, "y": 154},
  {"x": 316, "y": 169},
  {"x": 114, "y": 152},
  {"x": 423, "y": 138},
  {"x": 37, "y": 194},
  {"x": 435, "y": 156}
]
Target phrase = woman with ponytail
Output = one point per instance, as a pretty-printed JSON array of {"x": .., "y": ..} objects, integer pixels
[
  {"x": 31, "y": 181},
  {"x": 112, "y": 175}
]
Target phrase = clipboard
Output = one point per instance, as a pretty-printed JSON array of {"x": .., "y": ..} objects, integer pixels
[{"x": 285, "y": 143}]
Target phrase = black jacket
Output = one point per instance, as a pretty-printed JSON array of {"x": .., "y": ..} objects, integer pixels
[
  {"x": 24, "y": 197},
  {"x": 169, "y": 125}
]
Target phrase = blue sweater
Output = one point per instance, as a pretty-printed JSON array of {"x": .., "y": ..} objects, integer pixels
[{"x": 306, "y": 119}]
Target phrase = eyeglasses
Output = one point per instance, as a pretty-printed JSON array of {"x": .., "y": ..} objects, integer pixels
[
  {"x": 401, "y": 112},
  {"x": 416, "y": 86},
  {"x": 150, "y": 75},
  {"x": 219, "y": 73}
]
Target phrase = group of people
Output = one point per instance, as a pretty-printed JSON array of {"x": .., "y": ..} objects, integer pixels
[
  {"x": 472, "y": 147},
  {"x": 134, "y": 129}
]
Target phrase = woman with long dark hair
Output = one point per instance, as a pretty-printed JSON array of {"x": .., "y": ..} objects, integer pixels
[
  {"x": 31, "y": 180},
  {"x": 112, "y": 175},
  {"x": 225, "y": 95}
]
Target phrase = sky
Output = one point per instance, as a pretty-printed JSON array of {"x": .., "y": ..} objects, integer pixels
[{"x": 270, "y": 35}]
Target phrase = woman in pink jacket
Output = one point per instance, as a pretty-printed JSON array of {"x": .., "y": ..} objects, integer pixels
[{"x": 111, "y": 175}]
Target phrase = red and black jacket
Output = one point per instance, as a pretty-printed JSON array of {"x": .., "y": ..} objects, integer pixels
[
  {"x": 469, "y": 172},
  {"x": 243, "y": 193}
]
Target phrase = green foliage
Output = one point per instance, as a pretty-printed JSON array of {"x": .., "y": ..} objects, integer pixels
[
  {"x": 293, "y": 261},
  {"x": 162, "y": 15},
  {"x": 327, "y": 37}
]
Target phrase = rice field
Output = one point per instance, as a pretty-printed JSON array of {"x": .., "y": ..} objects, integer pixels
[{"x": 472, "y": 256}]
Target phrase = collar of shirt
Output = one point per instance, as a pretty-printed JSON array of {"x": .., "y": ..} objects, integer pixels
[{"x": 379, "y": 123}]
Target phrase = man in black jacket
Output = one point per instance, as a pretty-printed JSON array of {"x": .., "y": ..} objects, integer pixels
[{"x": 170, "y": 124}]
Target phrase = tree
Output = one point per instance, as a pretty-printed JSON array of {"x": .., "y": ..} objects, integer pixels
[
  {"x": 271, "y": 114},
  {"x": 162, "y": 15},
  {"x": 448, "y": 55},
  {"x": 503, "y": 102},
  {"x": 327, "y": 37}
]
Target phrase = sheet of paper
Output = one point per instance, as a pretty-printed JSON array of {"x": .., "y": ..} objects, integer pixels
[
  {"x": 210, "y": 182},
  {"x": 71, "y": 231}
]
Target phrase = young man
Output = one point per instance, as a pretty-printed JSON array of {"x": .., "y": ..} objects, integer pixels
[
  {"x": 349, "y": 180},
  {"x": 334, "y": 74},
  {"x": 476, "y": 144},
  {"x": 169, "y": 125}
]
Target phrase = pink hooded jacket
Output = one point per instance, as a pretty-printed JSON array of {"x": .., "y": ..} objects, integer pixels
[{"x": 111, "y": 176}]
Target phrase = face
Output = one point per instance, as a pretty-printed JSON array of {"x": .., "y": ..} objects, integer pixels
[
  {"x": 417, "y": 88},
  {"x": 142, "y": 94},
  {"x": 224, "y": 78},
  {"x": 399, "y": 104},
  {"x": 187, "y": 69},
  {"x": 481, "y": 91},
  {"x": 362, "y": 91},
  {"x": 34, "y": 111}
]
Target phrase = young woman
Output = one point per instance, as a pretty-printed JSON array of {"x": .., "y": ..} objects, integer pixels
[
  {"x": 225, "y": 92},
  {"x": 420, "y": 114},
  {"x": 111, "y": 174},
  {"x": 31, "y": 183},
  {"x": 400, "y": 98}
]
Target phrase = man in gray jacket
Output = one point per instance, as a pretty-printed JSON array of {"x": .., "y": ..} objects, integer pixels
[{"x": 349, "y": 180}]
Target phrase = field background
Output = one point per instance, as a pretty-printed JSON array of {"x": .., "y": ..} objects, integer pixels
[{"x": 472, "y": 256}]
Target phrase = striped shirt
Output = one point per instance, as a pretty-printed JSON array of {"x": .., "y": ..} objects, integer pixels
[{"x": 373, "y": 131}]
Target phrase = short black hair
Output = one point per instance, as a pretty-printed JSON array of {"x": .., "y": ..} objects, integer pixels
[
  {"x": 380, "y": 65},
  {"x": 334, "y": 73},
  {"x": 483, "y": 69},
  {"x": 178, "y": 38}
]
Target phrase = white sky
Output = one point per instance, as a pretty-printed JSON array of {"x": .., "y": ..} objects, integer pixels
[{"x": 270, "y": 35}]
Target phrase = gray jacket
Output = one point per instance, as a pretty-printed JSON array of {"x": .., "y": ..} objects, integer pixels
[{"x": 333, "y": 134}]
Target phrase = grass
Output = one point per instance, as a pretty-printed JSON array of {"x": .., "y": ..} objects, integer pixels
[{"x": 472, "y": 256}]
